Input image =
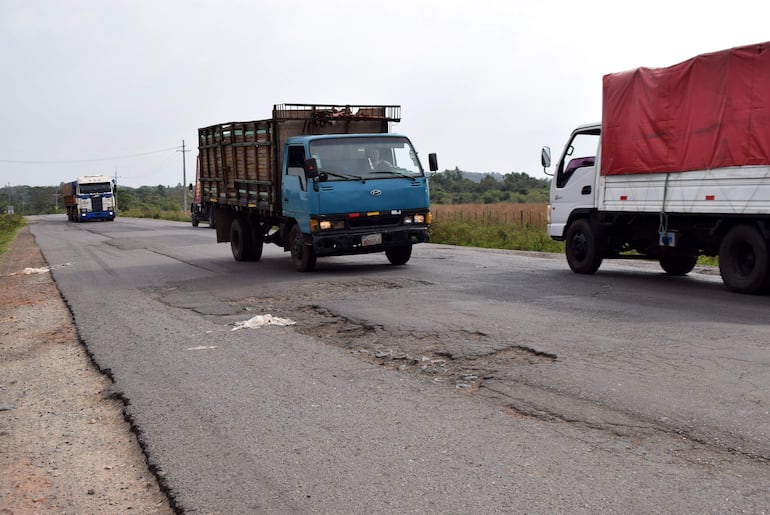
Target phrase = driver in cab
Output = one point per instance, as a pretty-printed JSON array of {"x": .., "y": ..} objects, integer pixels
[{"x": 376, "y": 162}]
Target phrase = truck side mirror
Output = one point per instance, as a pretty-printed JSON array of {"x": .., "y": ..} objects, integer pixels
[
  {"x": 311, "y": 168},
  {"x": 432, "y": 162},
  {"x": 545, "y": 159}
]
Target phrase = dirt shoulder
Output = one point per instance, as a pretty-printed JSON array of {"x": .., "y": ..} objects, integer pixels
[{"x": 64, "y": 446}]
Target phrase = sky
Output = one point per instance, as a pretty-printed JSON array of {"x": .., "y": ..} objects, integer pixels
[{"x": 115, "y": 87}]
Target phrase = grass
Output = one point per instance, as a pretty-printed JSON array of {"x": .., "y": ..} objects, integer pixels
[
  {"x": 500, "y": 226},
  {"x": 494, "y": 235},
  {"x": 493, "y": 226},
  {"x": 174, "y": 215},
  {"x": 9, "y": 226}
]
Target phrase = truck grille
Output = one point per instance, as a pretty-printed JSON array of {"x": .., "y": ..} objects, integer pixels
[{"x": 374, "y": 221}]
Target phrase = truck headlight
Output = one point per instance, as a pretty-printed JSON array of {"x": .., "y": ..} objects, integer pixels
[
  {"x": 414, "y": 219},
  {"x": 325, "y": 225}
]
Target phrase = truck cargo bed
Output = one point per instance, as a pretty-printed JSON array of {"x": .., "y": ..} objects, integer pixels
[{"x": 731, "y": 191}]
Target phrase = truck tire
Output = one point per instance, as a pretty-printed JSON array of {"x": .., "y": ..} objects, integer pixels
[
  {"x": 194, "y": 219},
  {"x": 399, "y": 255},
  {"x": 301, "y": 254},
  {"x": 743, "y": 260},
  {"x": 212, "y": 217},
  {"x": 584, "y": 253},
  {"x": 678, "y": 265},
  {"x": 258, "y": 242},
  {"x": 241, "y": 240}
]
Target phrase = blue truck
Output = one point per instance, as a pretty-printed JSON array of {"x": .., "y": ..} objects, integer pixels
[
  {"x": 89, "y": 197},
  {"x": 316, "y": 180}
]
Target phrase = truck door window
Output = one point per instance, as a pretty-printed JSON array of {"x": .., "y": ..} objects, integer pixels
[
  {"x": 294, "y": 164},
  {"x": 580, "y": 152}
]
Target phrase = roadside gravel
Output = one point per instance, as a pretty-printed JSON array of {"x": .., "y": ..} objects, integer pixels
[{"x": 64, "y": 446}]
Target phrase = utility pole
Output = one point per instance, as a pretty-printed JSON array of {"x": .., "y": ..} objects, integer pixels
[
  {"x": 10, "y": 206},
  {"x": 184, "y": 177},
  {"x": 115, "y": 190}
]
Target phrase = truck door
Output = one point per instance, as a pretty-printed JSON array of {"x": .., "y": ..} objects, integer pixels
[
  {"x": 297, "y": 195},
  {"x": 573, "y": 186}
]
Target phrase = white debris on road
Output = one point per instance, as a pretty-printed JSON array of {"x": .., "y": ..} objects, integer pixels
[
  {"x": 43, "y": 270},
  {"x": 261, "y": 321}
]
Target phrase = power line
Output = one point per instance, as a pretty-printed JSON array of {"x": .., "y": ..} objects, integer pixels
[{"x": 88, "y": 160}]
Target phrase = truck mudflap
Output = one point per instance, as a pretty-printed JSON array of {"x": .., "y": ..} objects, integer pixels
[{"x": 367, "y": 241}]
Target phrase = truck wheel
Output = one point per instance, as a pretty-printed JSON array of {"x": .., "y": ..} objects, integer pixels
[
  {"x": 194, "y": 218},
  {"x": 301, "y": 254},
  {"x": 743, "y": 260},
  {"x": 399, "y": 255},
  {"x": 212, "y": 218},
  {"x": 583, "y": 251},
  {"x": 258, "y": 242},
  {"x": 241, "y": 240},
  {"x": 678, "y": 265}
]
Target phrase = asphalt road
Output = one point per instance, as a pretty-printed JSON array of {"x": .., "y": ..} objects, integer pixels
[{"x": 467, "y": 381}]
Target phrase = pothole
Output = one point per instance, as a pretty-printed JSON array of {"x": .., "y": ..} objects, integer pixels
[{"x": 463, "y": 359}]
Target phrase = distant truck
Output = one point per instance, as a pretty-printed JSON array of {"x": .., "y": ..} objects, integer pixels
[
  {"x": 317, "y": 180},
  {"x": 678, "y": 168},
  {"x": 89, "y": 197}
]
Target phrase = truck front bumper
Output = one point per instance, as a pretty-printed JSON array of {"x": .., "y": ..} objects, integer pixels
[
  {"x": 367, "y": 241},
  {"x": 97, "y": 215}
]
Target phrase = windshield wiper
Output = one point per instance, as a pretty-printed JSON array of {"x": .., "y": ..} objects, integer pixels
[
  {"x": 397, "y": 172},
  {"x": 344, "y": 176}
]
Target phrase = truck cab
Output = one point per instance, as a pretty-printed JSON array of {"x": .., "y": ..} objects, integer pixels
[
  {"x": 355, "y": 194},
  {"x": 575, "y": 180}
]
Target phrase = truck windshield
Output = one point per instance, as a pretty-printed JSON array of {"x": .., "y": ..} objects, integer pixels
[
  {"x": 96, "y": 187},
  {"x": 346, "y": 159}
]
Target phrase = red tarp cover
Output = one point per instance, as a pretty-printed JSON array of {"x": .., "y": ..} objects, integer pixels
[{"x": 710, "y": 111}]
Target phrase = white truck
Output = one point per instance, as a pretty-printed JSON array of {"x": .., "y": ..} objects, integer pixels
[
  {"x": 679, "y": 167},
  {"x": 89, "y": 197}
]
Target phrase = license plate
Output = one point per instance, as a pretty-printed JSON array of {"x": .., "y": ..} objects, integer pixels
[{"x": 371, "y": 239}]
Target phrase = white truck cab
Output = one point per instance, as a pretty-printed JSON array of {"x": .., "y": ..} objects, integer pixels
[{"x": 575, "y": 182}]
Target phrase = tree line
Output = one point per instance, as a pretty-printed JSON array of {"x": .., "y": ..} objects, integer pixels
[
  {"x": 460, "y": 187},
  {"x": 41, "y": 200},
  {"x": 447, "y": 187}
]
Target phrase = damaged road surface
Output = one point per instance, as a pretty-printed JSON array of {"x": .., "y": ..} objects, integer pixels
[{"x": 468, "y": 380}]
